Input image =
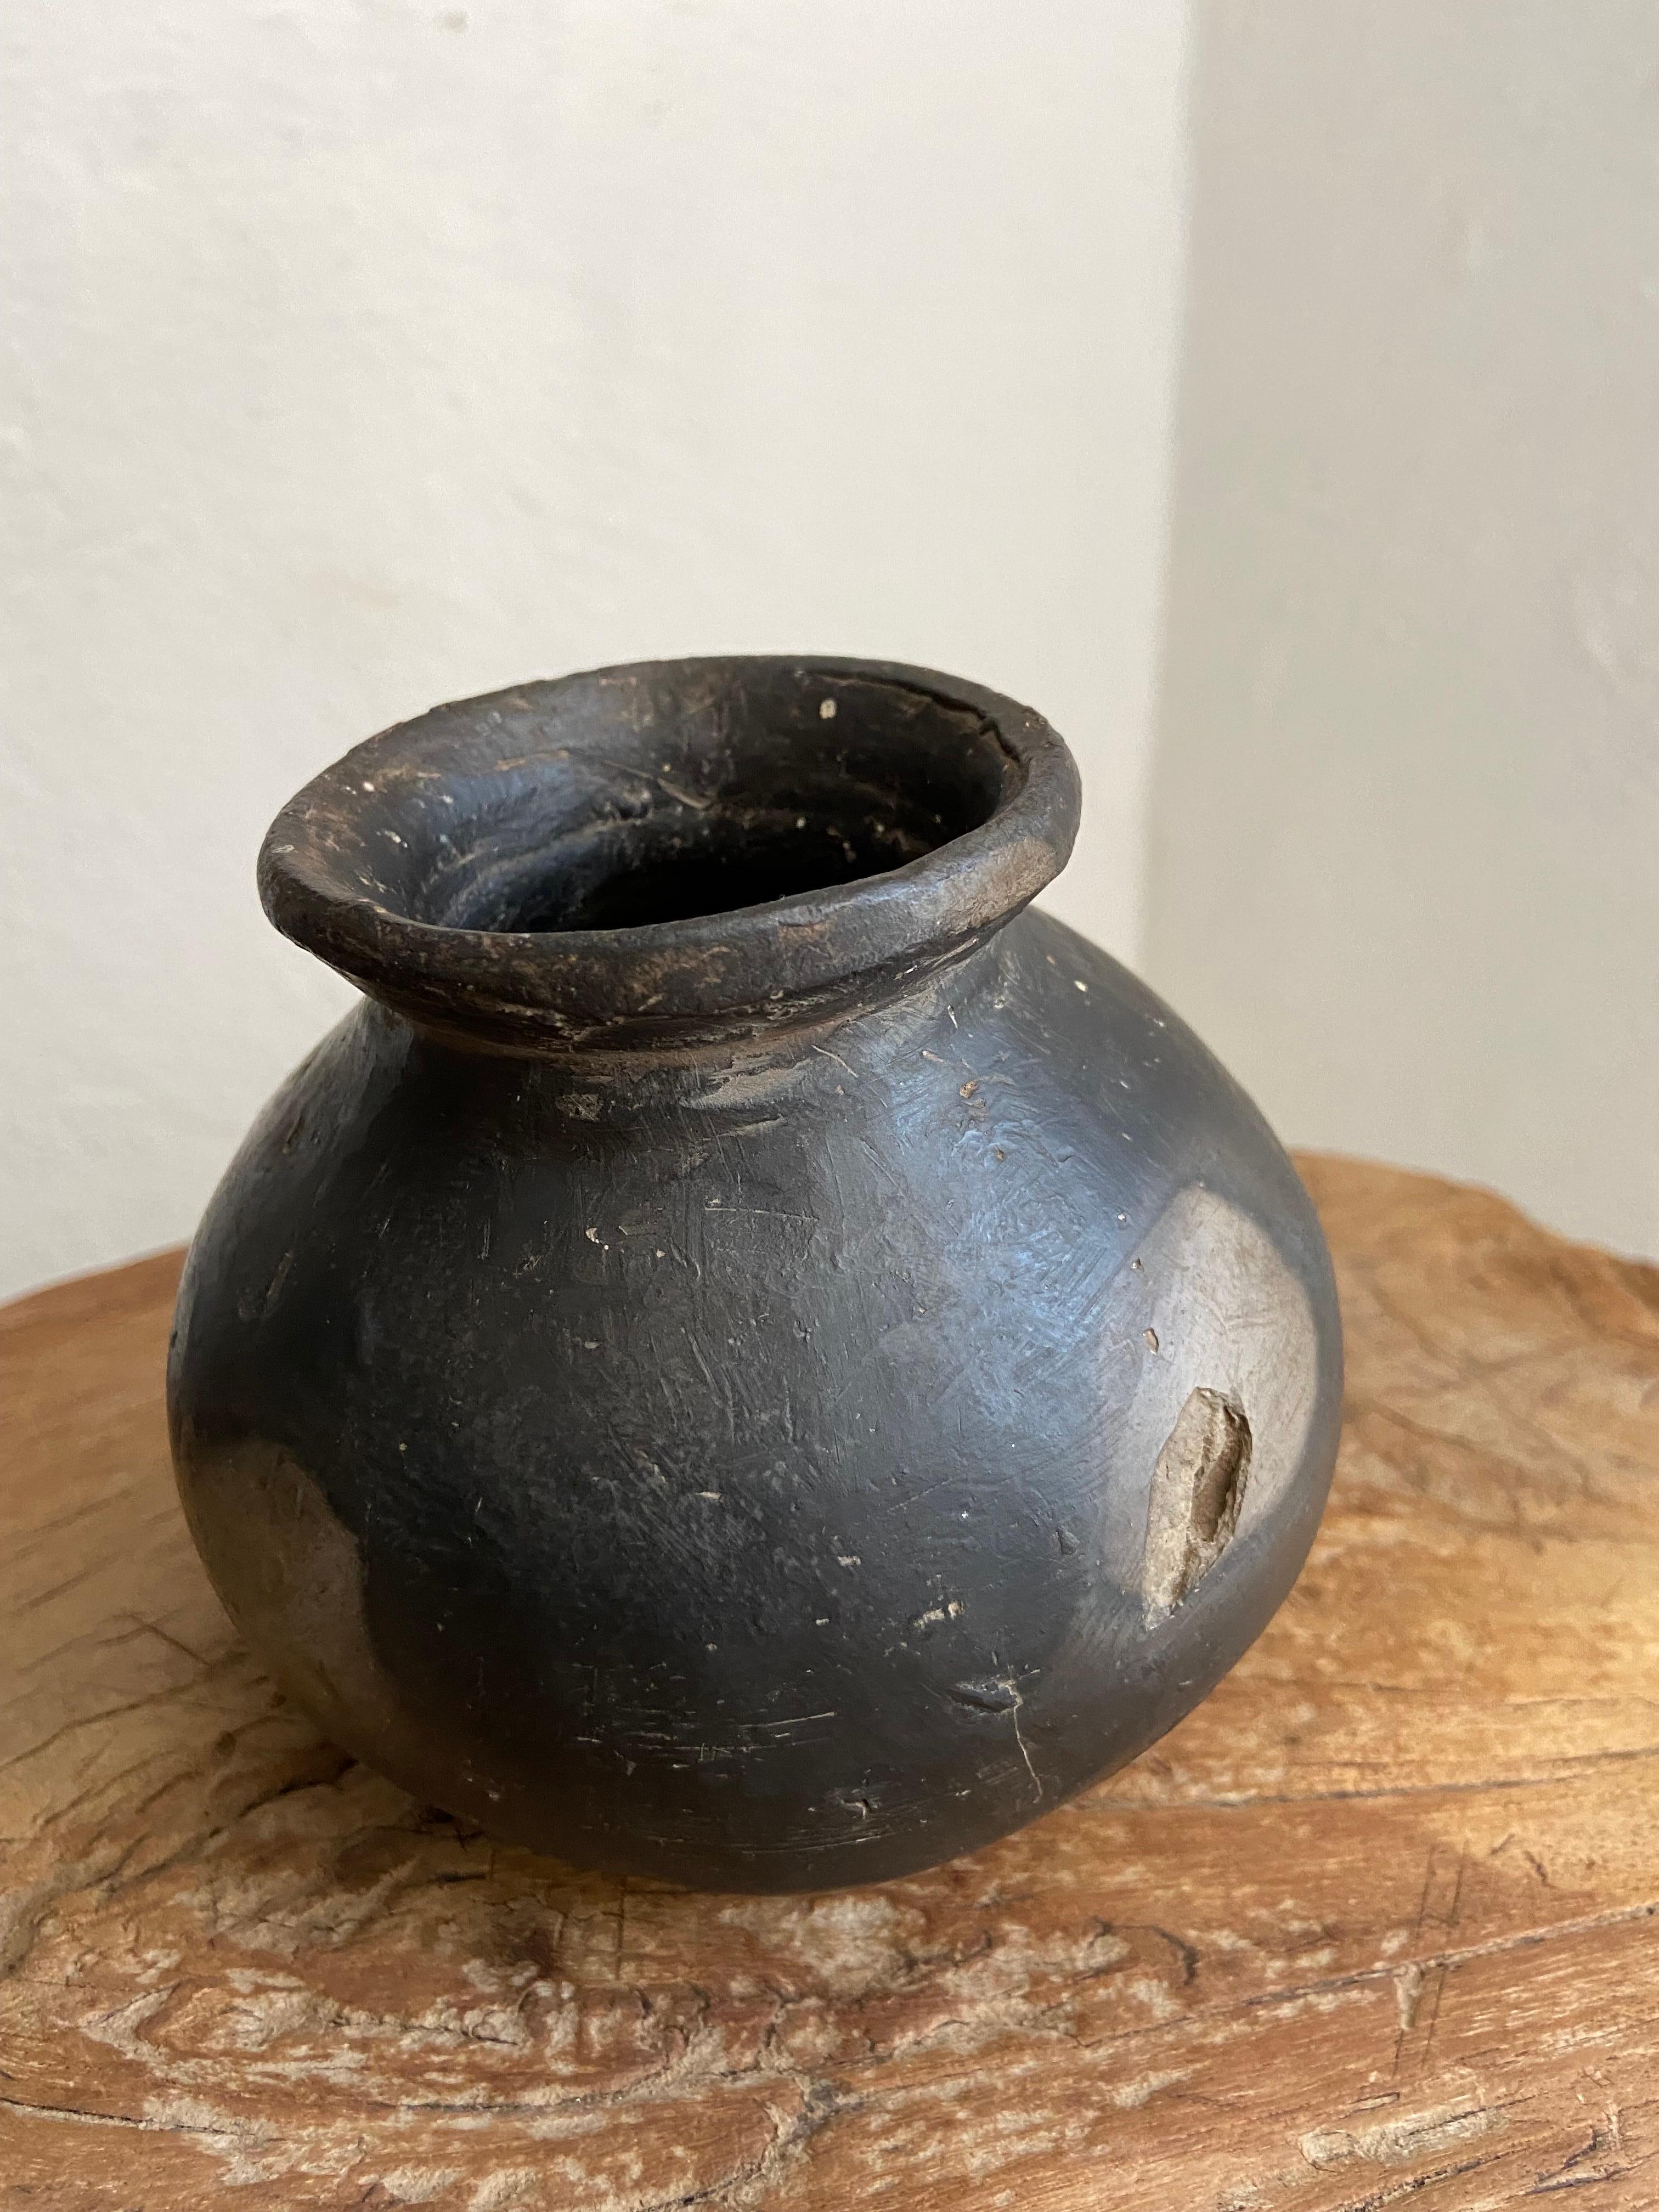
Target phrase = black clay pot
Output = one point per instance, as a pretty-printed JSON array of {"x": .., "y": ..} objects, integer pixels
[{"x": 748, "y": 1357}]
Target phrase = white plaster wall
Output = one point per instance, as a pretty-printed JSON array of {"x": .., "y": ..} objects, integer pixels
[
  {"x": 1404, "y": 865},
  {"x": 360, "y": 353}
]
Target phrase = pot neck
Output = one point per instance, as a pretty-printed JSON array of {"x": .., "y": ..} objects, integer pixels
[{"x": 676, "y": 854}]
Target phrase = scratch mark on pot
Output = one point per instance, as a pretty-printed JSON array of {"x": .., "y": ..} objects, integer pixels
[
  {"x": 1025, "y": 1754},
  {"x": 273, "y": 1289},
  {"x": 999, "y": 1694},
  {"x": 950, "y": 1611},
  {"x": 988, "y": 1694},
  {"x": 761, "y": 1213}
]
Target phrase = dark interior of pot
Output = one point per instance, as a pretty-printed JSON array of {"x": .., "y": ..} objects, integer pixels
[
  {"x": 663, "y": 867},
  {"x": 769, "y": 799}
]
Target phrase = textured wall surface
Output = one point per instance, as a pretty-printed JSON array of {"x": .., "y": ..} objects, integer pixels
[
  {"x": 1406, "y": 818},
  {"x": 361, "y": 355}
]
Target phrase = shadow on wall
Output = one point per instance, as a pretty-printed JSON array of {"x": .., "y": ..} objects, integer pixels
[{"x": 1405, "y": 797}]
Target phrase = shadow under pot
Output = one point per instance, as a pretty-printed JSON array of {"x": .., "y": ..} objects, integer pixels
[{"x": 751, "y": 1356}]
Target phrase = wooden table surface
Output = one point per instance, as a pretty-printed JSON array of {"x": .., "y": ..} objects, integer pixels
[{"x": 1376, "y": 1925}]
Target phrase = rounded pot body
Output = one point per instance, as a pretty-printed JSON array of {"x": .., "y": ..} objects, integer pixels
[{"x": 767, "y": 1394}]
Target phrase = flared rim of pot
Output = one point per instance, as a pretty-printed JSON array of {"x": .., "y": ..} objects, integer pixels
[{"x": 668, "y": 851}]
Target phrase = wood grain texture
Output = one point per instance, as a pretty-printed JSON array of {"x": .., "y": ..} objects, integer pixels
[{"x": 1378, "y": 1924}]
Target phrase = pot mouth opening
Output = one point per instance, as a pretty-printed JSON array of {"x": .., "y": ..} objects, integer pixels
[
  {"x": 675, "y": 863},
  {"x": 671, "y": 849}
]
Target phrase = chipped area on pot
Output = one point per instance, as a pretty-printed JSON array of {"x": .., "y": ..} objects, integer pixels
[{"x": 1230, "y": 1318}]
